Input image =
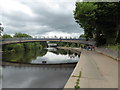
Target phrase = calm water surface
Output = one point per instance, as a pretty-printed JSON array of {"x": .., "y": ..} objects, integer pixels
[{"x": 51, "y": 76}]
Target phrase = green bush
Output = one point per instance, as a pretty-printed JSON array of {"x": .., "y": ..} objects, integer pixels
[
  {"x": 13, "y": 47},
  {"x": 76, "y": 87},
  {"x": 25, "y": 46},
  {"x": 6, "y": 36}
]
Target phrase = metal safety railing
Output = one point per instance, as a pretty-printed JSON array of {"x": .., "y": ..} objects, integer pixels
[{"x": 17, "y": 39}]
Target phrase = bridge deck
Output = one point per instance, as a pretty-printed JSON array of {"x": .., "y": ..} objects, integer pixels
[{"x": 22, "y": 40}]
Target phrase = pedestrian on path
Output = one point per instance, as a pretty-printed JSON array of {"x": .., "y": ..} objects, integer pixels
[{"x": 93, "y": 47}]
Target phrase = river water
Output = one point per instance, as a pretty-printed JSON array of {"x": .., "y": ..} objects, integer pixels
[{"x": 54, "y": 67}]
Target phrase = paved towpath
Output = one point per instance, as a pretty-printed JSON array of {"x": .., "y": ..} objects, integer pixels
[{"x": 98, "y": 71}]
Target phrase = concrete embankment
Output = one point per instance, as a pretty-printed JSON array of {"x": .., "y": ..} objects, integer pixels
[
  {"x": 115, "y": 54},
  {"x": 97, "y": 71}
]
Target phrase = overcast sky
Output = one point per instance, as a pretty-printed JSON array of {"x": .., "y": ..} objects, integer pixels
[{"x": 39, "y": 17}]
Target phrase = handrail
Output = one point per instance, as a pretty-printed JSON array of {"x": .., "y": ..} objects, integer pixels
[
  {"x": 11, "y": 39},
  {"x": 19, "y": 40}
]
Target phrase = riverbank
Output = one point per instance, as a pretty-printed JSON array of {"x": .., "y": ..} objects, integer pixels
[
  {"x": 76, "y": 50},
  {"x": 109, "y": 52},
  {"x": 96, "y": 71},
  {"x": 15, "y": 64}
]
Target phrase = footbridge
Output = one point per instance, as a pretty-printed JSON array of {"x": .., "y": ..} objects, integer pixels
[{"x": 23, "y": 40}]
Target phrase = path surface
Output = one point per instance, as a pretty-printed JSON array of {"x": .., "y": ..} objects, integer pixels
[{"x": 98, "y": 71}]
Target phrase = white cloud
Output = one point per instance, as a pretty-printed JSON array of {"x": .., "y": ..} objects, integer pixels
[
  {"x": 39, "y": 17},
  {"x": 10, "y": 6},
  {"x": 58, "y": 34}
]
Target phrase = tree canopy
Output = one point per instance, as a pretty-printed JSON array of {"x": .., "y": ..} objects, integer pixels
[
  {"x": 82, "y": 36},
  {"x": 99, "y": 19},
  {"x": 22, "y": 35},
  {"x": 6, "y": 36}
]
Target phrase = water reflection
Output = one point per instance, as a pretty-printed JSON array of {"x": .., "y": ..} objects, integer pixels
[
  {"x": 27, "y": 77},
  {"x": 43, "y": 67},
  {"x": 27, "y": 71},
  {"x": 44, "y": 56},
  {"x": 23, "y": 57}
]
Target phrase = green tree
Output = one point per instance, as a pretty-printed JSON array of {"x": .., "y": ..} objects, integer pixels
[
  {"x": 82, "y": 36},
  {"x": 13, "y": 47},
  {"x": 85, "y": 16},
  {"x": 21, "y": 35},
  {"x": 23, "y": 46},
  {"x": 107, "y": 22},
  {"x": 6, "y": 36},
  {"x": 100, "y": 19}
]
